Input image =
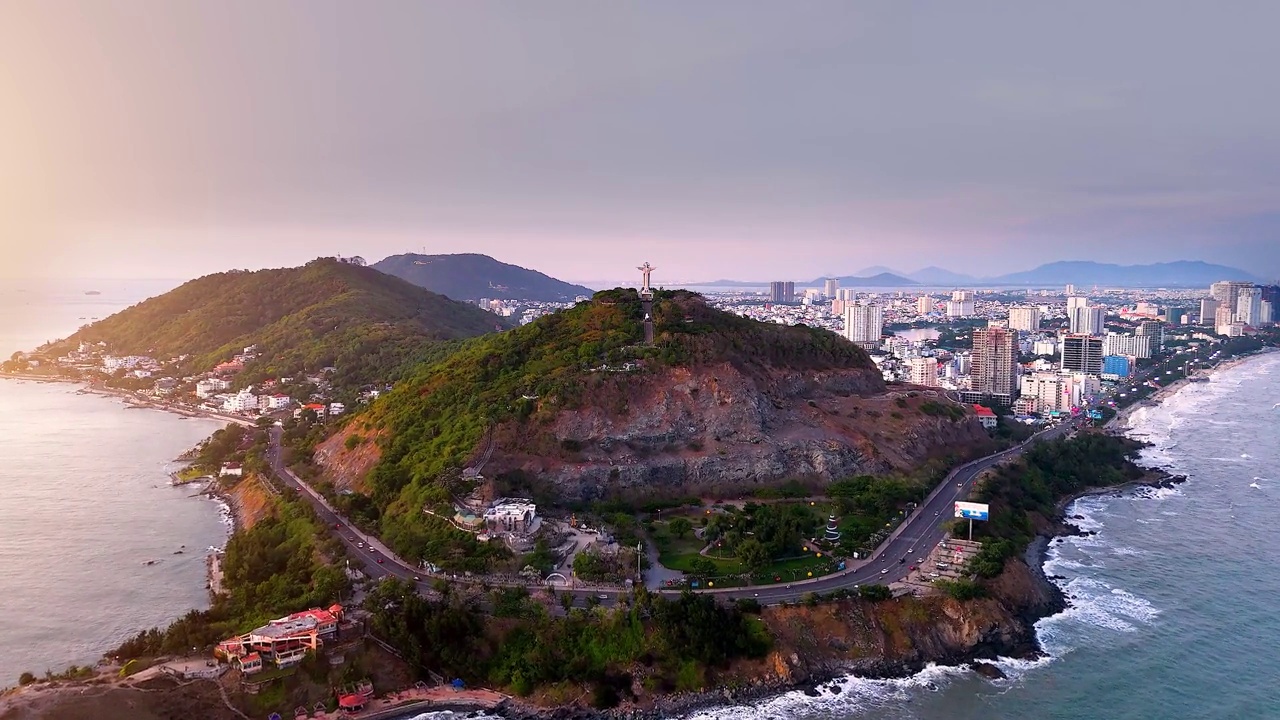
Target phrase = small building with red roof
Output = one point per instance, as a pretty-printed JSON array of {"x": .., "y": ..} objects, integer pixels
[{"x": 986, "y": 416}]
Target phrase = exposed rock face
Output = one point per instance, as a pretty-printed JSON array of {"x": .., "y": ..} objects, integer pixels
[
  {"x": 898, "y": 637},
  {"x": 249, "y": 502},
  {"x": 348, "y": 467},
  {"x": 717, "y": 428}
]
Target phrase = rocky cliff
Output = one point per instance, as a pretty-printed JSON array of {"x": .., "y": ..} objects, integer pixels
[{"x": 718, "y": 429}]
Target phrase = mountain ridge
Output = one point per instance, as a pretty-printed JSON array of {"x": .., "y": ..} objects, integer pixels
[
  {"x": 325, "y": 313},
  {"x": 472, "y": 276},
  {"x": 1179, "y": 273}
]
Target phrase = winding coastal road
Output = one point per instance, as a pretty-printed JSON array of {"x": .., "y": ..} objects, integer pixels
[{"x": 915, "y": 537}]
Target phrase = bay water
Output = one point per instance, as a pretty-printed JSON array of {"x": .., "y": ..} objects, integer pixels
[{"x": 85, "y": 498}]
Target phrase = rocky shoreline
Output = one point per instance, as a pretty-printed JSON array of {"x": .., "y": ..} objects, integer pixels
[{"x": 1019, "y": 641}]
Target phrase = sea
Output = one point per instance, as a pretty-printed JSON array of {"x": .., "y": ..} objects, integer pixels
[
  {"x": 1173, "y": 600},
  {"x": 85, "y": 498}
]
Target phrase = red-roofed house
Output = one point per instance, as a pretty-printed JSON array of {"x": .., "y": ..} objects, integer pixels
[
  {"x": 985, "y": 416},
  {"x": 283, "y": 642}
]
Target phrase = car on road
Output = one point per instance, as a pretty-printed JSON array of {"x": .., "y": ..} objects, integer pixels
[
  {"x": 884, "y": 571},
  {"x": 602, "y": 596},
  {"x": 359, "y": 544},
  {"x": 379, "y": 561},
  {"x": 417, "y": 579},
  {"x": 337, "y": 526}
]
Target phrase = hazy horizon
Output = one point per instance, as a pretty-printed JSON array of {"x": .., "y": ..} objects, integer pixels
[{"x": 716, "y": 140}]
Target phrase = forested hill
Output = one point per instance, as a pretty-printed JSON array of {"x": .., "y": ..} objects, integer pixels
[
  {"x": 325, "y": 313},
  {"x": 582, "y": 364},
  {"x": 470, "y": 276}
]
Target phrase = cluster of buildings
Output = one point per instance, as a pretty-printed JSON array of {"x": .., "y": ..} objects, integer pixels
[
  {"x": 514, "y": 521},
  {"x": 1234, "y": 307},
  {"x": 1038, "y": 352},
  {"x": 281, "y": 643},
  {"x": 526, "y": 310}
]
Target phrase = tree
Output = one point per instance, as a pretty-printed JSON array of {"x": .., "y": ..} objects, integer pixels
[
  {"x": 875, "y": 592},
  {"x": 680, "y": 527},
  {"x": 753, "y": 554},
  {"x": 702, "y": 566}
]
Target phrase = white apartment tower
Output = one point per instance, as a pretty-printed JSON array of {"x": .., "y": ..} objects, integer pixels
[
  {"x": 830, "y": 288},
  {"x": 1249, "y": 306},
  {"x": 1083, "y": 318},
  {"x": 924, "y": 305},
  {"x": 863, "y": 324},
  {"x": 961, "y": 304},
  {"x": 924, "y": 371},
  {"x": 1025, "y": 318}
]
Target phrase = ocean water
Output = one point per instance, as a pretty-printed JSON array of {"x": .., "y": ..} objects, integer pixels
[
  {"x": 1173, "y": 601},
  {"x": 85, "y": 500}
]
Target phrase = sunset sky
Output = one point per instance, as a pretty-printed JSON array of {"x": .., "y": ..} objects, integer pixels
[{"x": 713, "y": 139}]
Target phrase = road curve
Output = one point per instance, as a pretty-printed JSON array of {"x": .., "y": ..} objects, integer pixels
[{"x": 914, "y": 538}]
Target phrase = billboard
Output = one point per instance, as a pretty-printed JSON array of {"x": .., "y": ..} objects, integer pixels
[{"x": 971, "y": 511}]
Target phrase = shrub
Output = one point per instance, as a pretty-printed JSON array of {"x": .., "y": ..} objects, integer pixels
[
  {"x": 875, "y": 593},
  {"x": 961, "y": 589}
]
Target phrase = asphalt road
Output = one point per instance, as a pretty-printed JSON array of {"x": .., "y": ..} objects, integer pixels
[{"x": 913, "y": 539}]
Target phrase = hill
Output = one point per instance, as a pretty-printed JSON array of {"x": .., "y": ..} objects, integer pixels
[
  {"x": 1183, "y": 273},
  {"x": 574, "y": 407},
  {"x": 326, "y": 313},
  {"x": 471, "y": 277},
  {"x": 934, "y": 275},
  {"x": 883, "y": 279}
]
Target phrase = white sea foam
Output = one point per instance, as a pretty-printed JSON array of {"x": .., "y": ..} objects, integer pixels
[
  {"x": 855, "y": 693},
  {"x": 451, "y": 715}
]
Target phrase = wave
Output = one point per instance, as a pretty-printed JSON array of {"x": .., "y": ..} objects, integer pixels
[
  {"x": 451, "y": 715},
  {"x": 851, "y": 693}
]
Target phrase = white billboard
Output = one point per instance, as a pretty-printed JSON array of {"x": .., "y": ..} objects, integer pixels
[{"x": 972, "y": 511}]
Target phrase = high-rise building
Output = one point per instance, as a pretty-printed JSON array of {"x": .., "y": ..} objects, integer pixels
[
  {"x": 961, "y": 304},
  {"x": 1268, "y": 310},
  {"x": 1173, "y": 315},
  {"x": 924, "y": 371},
  {"x": 1025, "y": 318},
  {"x": 830, "y": 288},
  {"x": 782, "y": 292},
  {"x": 1249, "y": 306},
  {"x": 1223, "y": 319},
  {"x": 1085, "y": 319},
  {"x": 995, "y": 364},
  {"x": 924, "y": 305},
  {"x": 1208, "y": 311},
  {"x": 1227, "y": 293},
  {"x": 863, "y": 324},
  {"x": 1082, "y": 353},
  {"x": 1138, "y": 346}
]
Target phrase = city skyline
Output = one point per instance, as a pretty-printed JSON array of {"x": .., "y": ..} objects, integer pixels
[{"x": 803, "y": 140}]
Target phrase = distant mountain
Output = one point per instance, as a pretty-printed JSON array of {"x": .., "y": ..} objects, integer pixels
[
  {"x": 878, "y": 270},
  {"x": 326, "y": 313},
  {"x": 884, "y": 279},
  {"x": 1183, "y": 273},
  {"x": 934, "y": 275},
  {"x": 470, "y": 276}
]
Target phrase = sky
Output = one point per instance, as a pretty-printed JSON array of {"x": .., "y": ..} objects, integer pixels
[{"x": 737, "y": 139}]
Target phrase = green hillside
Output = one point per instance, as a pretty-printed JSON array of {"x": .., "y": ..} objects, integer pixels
[
  {"x": 326, "y": 313},
  {"x": 435, "y": 419}
]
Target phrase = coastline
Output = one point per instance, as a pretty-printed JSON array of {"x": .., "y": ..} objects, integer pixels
[
  {"x": 1034, "y": 556},
  {"x": 1116, "y": 423}
]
